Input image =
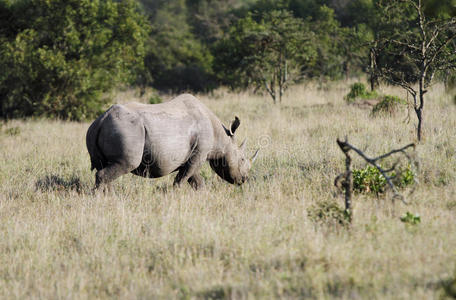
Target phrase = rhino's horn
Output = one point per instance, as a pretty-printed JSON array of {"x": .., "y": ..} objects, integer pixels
[
  {"x": 242, "y": 146},
  {"x": 254, "y": 157}
]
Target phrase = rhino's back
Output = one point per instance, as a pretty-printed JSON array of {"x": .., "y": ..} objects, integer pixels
[
  {"x": 180, "y": 107},
  {"x": 172, "y": 131},
  {"x": 175, "y": 121}
]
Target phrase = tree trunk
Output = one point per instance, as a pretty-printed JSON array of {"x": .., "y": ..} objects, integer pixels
[
  {"x": 271, "y": 89},
  {"x": 372, "y": 68},
  {"x": 348, "y": 184},
  {"x": 346, "y": 69},
  {"x": 419, "y": 108},
  {"x": 419, "y": 114}
]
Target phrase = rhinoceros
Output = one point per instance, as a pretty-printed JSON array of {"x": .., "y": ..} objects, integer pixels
[{"x": 154, "y": 140}]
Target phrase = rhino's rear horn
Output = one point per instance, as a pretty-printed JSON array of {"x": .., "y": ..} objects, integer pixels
[{"x": 254, "y": 157}]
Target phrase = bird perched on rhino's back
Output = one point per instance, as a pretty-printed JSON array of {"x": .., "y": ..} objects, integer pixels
[{"x": 154, "y": 140}]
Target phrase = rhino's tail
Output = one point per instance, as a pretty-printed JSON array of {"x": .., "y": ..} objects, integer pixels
[{"x": 97, "y": 159}]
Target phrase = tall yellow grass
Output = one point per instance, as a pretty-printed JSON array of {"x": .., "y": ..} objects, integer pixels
[{"x": 148, "y": 240}]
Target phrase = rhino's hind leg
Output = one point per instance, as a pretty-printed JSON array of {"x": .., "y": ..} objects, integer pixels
[{"x": 196, "y": 181}]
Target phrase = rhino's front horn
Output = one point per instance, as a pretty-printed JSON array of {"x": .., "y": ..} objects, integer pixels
[{"x": 254, "y": 157}]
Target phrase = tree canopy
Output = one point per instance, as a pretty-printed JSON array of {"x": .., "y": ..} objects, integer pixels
[
  {"x": 267, "y": 53},
  {"x": 58, "y": 57}
]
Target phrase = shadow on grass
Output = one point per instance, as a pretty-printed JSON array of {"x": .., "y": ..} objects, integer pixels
[
  {"x": 217, "y": 292},
  {"x": 449, "y": 287},
  {"x": 57, "y": 183}
]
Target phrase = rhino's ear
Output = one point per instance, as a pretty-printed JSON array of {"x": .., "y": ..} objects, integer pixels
[{"x": 234, "y": 125}]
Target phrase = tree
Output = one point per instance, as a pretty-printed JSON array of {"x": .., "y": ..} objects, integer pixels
[
  {"x": 177, "y": 60},
  {"x": 209, "y": 19},
  {"x": 338, "y": 50},
  {"x": 335, "y": 49},
  {"x": 267, "y": 53},
  {"x": 415, "y": 48},
  {"x": 59, "y": 57}
]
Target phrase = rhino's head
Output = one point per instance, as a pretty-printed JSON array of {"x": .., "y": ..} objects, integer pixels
[{"x": 233, "y": 166}]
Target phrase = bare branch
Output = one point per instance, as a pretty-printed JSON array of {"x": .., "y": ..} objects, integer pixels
[
  {"x": 346, "y": 147},
  {"x": 386, "y": 74},
  {"x": 441, "y": 47},
  {"x": 347, "y": 184}
]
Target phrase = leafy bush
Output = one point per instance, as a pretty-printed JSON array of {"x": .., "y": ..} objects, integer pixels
[
  {"x": 59, "y": 57},
  {"x": 155, "y": 99},
  {"x": 370, "y": 180},
  {"x": 411, "y": 219},
  {"x": 358, "y": 91},
  {"x": 328, "y": 212},
  {"x": 388, "y": 105},
  {"x": 406, "y": 177}
]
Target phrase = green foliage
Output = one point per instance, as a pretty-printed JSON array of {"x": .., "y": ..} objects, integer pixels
[
  {"x": 176, "y": 60},
  {"x": 411, "y": 219},
  {"x": 388, "y": 105},
  {"x": 358, "y": 91},
  {"x": 370, "y": 180},
  {"x": 336, "y": 48},
  {"x": 410, "y": 50},
  {"x": 329, "y": 212},
  {"x": 155, "y": 99},
  {"x": 441, "y": 9},
  {"x": 58, "y": 57},
  {"x": 406, "y": 177},
  {"x": 266, "y": 53}
]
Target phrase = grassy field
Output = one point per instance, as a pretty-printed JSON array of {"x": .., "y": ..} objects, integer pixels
[{"x": 148, "y": 240}]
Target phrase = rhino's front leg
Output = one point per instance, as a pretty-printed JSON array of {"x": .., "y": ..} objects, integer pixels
[
  {"x": 196, "y": 181},
  {"x": 189, "y": 172}
]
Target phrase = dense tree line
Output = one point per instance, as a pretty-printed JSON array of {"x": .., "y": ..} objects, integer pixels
[{"x": 59, "y": 57}]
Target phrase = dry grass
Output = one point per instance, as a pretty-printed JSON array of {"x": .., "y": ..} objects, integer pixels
[{"x": 148, "y": 240}]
